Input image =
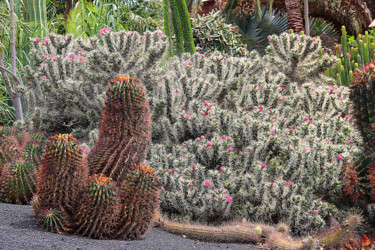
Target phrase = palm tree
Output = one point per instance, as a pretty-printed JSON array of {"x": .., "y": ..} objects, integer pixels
[{"x": 295, "y": 21}]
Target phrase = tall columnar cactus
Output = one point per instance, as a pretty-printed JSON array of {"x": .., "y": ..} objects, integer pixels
[
  {"x": 139, "y": 202},
  {"x": 35, "y": 11},
  {"x": 352, "y": 57},
  {"x": 61, "y": 177},
  {"x": 181, "y": 25},
  {"x": 67, "y": 85},
  {"x": 298, "y": 57},
  {"x": 125, "y": 130},
  {"x": 18, "y": 182},
  {"x": 97, "y": 215}
]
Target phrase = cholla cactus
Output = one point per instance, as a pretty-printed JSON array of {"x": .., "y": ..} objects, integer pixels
[
  {"x": 66, "y": 90},
  {"x": 266, "y": 161},
  {"x": 196, "y": 77},
  {"x": 299, "y": 57}
]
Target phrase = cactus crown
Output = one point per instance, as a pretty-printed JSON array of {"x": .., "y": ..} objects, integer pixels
[{"x": 101, "y": 180}]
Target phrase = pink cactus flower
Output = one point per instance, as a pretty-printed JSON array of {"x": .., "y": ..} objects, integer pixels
[
  {"x": 290, "y": 183},
  {"x": 198, "y": 139},
  {"x": 291, "y": 130},
  {"x": 45, "y": 57},
  {"x": 339, "y": 157},
  {"x": 347, "y": 117},
  {"x": 304, "y": 149},
  {"x": 315, "y": 211},
  {"x": 221, "y": 168},
  {"x": 160, "y": 33},
  {"x": 46, "y": 41},
  {"x": 207, "y": 183},
  {"x": 229, "y": 199},
  {"x": 205, "y": 103},
  {"x": 283, "y": 97},
  {"x": 272, "y": 131},
  {"x": 44, "y": 77},
  {"x": 208, "y": 143},
  {"x": 228, "y": 139},
  {"x": 187, "y": 116},
  {"x": 202, "y": 137},
  {"x": 194, "y": 166},
  {"x": 260, "y": 107},
  {"x": 170, "y": 171},
  {"x": 230, "y": 149},
  {"x": 331, "y": 89},
  {"x": 162, "y": 188},
  {"x": 37, "y": 40},
  {"x": 306, "y": 118},
  {"x": 263, "y": 165},
  {"x": 269, "y": 37},
  {"x": 313, "y": 39},
  {"x": 208, "y": 108},
  {"x": 191, "y": 184}
]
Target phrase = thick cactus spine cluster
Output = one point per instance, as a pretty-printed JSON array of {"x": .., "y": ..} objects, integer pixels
[
  {"x": 61, "y": 177},
  {"x": 125, "y": 130},
  {"x": 119, "y": 199}
]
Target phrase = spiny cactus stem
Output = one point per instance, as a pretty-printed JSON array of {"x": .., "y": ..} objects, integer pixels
[{"x": 353, "y": 222}]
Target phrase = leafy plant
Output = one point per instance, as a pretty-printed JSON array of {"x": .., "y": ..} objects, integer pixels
[
  {"x": 272, "y": 22},
  {"x": 211, "y": 33}
]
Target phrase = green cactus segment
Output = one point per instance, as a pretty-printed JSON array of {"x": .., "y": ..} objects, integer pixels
[
  {"x": 36, "y": 12},
  {"x": 62, "y": 175},
  {"x": 186, "y": 26},
  {"x": 125, "y": 131},
  {"x": 167, "y": 25},
  {"x": 98, "y": 213},
  {"x": 363, "y": 96},
  {"x": 51, "y": 220},
  {"x": 352, "y": 57},
  {"x": 17, "y": 183},
  {"x": 139, "y": 202}
]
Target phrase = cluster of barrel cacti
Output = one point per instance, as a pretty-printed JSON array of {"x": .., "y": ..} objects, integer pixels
[
  {"x": 352, "y": 57},
  {"x": 20, "y": 155},
  {"x": 111, "y": 195}
]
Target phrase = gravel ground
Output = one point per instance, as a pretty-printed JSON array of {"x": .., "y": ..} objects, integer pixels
[{"x": 18, "y": 230}]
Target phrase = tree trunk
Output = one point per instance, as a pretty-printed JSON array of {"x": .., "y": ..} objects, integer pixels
[
  {"x": 69, "y": 4},
  {"x": 17, "y": 100},
  {"x": 307, "y": 20},
  {"x": 293, "y": 11}
]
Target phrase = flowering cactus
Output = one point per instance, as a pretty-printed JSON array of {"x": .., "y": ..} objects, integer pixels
[
  {"x": 66, "y": 90},
  {"x": 264, "y": 161},
  {"x": 299, "y": 57}
]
